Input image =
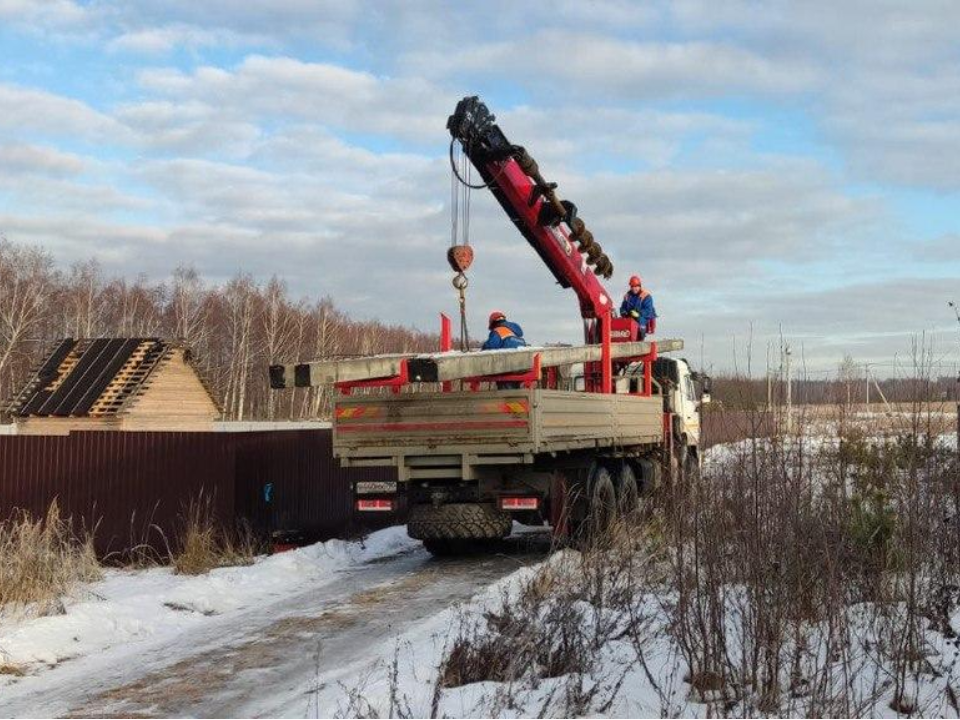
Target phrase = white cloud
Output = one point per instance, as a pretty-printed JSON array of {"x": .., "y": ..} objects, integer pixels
[
  {"x": 888, "y": 96},
  {"x": 189, "y": 127},
  {"x": 607, "y": 136},
  {"x": 271, "y": 87},
  {"x": 29, "y": 112},
  {"x": 20, "y": 159},
  {"x": 157, "y": 40},
  {"x": 583, "y": 64},
  {"x": 46, "y": 14}
]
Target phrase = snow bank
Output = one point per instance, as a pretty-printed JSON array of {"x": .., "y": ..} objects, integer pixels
[
  {"x": 400, "y": 680},
  {"x": 369, "y": 687},
  {"x": 130, "y": 606}
]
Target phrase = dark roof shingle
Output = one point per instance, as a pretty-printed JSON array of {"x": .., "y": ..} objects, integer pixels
[{"x": 77, "y": 373}]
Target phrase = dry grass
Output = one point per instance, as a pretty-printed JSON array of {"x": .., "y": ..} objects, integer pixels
[
  {"x": 11, "y": 670},
  {"x": 203, "y": 544},
  {"x": 815, "y": 570},
  {"x": 809, "y": 575},
  {"x": 41, "y": 560},
  {"x": 558, "y": 624}
]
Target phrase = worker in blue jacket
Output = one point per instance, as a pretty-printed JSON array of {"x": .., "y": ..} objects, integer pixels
[
  {"x": 503, "y": 334},
  {"x": 638, "y": 304}
]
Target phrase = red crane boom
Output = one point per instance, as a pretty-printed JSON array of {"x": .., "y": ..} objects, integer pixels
[{"x": 549, "y": 224}]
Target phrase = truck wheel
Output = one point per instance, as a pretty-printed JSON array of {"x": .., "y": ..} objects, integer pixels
[
  {"x": 691, "y": 465},
  {"x": 649, "y": 474},
  {"x": 628, "y": 493},
  {"x": 603, "y": 501},
  {"x": 458, "y": 521},
  {"x": 679, "y": 466}
]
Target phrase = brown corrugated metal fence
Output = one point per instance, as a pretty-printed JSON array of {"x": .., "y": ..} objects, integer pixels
[
  {"x": 309, "y": 493},
  {"x": 134, "y": 487}
]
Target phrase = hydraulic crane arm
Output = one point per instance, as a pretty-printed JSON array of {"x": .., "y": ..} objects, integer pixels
[{"x": 550, "y": 225}]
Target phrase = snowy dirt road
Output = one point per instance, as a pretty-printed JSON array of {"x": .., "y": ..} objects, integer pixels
[{"x": 264, "y": 660}]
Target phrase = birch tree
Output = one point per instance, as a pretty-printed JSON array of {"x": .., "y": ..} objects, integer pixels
[
  {"x": 278, "y": 328},
  {"x": 27, "y": 280}
]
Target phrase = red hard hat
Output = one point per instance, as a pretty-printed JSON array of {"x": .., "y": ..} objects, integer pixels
[
  {"x": 635, "y": 280},
  {"x": 495, "y": 316}
]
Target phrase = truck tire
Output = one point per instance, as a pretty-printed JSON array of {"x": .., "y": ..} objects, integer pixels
[
  {"x": 628, "y": 492},
  {"x": 649, "y": 474},
  {"x": 458, "y": 521},
  {"x": 691, "y": 465},
  {"x": 678, "y": 465},
  {"x": 603, "y": 502}
]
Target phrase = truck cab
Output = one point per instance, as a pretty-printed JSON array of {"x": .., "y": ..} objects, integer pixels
[
  {"x": 684, "y": 393},
  {"x": 677, "y": 384}
]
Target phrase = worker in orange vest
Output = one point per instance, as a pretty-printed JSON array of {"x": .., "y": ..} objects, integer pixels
[
  {"x": 638, "y": 304},
  {"x": 503, "y": 334}
]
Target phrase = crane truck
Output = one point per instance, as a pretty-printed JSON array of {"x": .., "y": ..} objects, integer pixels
[{"x": 565, "y": 436}]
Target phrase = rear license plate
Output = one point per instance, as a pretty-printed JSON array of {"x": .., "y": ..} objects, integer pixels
[{"x": 369, "y": 487}]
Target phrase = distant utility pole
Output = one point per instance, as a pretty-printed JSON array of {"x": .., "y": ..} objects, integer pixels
[
  {"x": 866, "y": 377},
  {"x": 769, "y": 382},
  {"x": 956, "y": 313},
  {"x": 789, "y": 393}
]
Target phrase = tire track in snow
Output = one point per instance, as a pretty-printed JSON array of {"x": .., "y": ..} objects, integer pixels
[{"x": 264, "y": 667}]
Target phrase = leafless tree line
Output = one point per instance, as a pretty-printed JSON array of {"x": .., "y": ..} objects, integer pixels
[
  {"x": 235, "y": 330},
  {"x": 745, "y": 393}
]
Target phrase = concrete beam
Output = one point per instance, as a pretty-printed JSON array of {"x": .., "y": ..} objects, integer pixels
[
  {"x": 328, "y": 372},
  {"x": 454, "y": 366},
  {"x": 438, "y": 367}
]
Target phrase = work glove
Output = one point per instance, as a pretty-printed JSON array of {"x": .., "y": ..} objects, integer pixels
[{"x": 634, "y": 314}]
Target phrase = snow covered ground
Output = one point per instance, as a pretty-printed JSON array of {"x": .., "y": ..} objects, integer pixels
[
  {"x": 347, "y": 629},
  {"x": 402, "y": 679},
  {"x": 156, "y": 604},
  {"x": 403, "y": 682},
  {"x": 239, "y": 641}
]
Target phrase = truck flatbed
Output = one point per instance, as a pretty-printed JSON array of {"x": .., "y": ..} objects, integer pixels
[{"x": 415, "y": 431}]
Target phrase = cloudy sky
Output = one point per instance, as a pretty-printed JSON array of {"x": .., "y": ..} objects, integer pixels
[{"x": 766, "y": 166}]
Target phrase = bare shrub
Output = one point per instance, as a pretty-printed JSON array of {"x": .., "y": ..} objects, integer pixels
[
  {"x": 41, "y": 560},
  {"x": 807, "y": 573},
  {"x": 809, "y": 568},
  {"x": 555, "y": 625},
  {"x": 203, "y": 544}
]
